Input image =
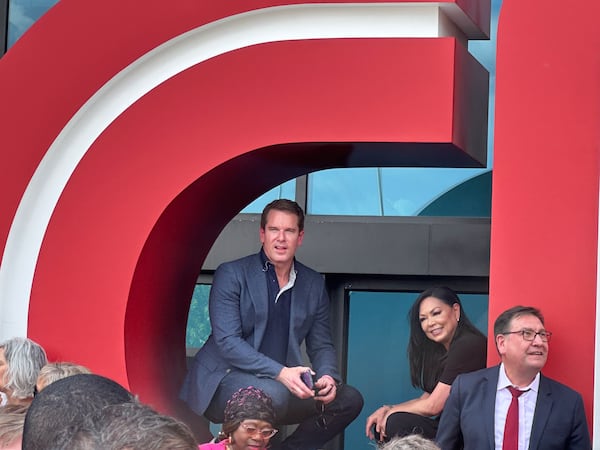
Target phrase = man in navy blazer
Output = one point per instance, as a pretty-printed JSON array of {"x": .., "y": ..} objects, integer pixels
[
  {"x": 551, "y": 415},
  {"x": 262, "y": 308}
]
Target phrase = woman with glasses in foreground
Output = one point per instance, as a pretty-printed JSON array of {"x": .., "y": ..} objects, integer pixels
[{"x": 249, "y": 421}]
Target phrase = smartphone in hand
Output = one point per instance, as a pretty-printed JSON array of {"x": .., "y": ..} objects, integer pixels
[{"x": 309, "y": 380}]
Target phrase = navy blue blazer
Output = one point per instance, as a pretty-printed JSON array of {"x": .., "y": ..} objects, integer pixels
[
  {"x": 238, "y": 308},
  {"x": 558, "y": 422}
]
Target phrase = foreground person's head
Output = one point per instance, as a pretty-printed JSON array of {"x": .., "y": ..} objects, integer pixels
[
  {"x": 249, "y": 419},
  {"x": 62, "y": 406}
]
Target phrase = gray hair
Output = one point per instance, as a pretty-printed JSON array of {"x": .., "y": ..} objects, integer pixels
[
  {"x": 24, "y": 359},
  {"x": 410, "y": 442}
]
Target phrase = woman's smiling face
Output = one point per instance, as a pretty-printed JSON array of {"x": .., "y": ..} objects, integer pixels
[
  {"x": 439, "y": 320},
  {"x": 252, "y": 435}
]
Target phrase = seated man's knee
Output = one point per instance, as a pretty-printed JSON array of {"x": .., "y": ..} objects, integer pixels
[{"x": 351, "y": 399}]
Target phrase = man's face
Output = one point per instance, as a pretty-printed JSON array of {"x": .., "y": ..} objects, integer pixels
[
  {"x": 281, "y": 237},
  {"x": 521, "y": 355}
]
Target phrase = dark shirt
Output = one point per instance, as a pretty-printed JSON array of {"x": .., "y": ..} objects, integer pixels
[
  {"x": 275, "y": 341},
  {"x": 467, "y": 353}
]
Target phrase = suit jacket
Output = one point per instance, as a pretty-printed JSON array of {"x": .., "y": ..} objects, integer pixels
[
  {"x": 558, "y": 422},
  {"x": 238, "y": 308}
]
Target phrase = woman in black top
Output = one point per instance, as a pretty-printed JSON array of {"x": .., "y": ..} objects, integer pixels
[{"x": 443, "y": 344}]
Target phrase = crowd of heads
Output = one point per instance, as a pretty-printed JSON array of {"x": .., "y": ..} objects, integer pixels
[{"x": 63, "y": 406}]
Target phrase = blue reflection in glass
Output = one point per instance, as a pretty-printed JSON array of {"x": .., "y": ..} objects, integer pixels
[
  {"x": 345, "y": 192},
  {"x": 285, "y": 190},
  {"x": 22, "y": 14}
]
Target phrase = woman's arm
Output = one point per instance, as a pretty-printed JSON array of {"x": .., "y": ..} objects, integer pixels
[
  {"x": 378, "y": 419},
  {"x": 425, "y": 405}
]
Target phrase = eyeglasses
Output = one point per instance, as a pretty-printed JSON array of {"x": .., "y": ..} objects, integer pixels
[
  {"x": 529, "y": 335},
  {"x": 265, "y": 433}
]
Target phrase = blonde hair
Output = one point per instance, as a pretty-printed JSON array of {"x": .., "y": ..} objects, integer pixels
[{"x": 55, "y": 371}]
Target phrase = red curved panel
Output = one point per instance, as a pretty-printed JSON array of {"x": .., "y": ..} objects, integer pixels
[
  {"x": 132, "y": 227},
  {"x": 544, "y": 242},
  {"x": 192, "y": 127}
]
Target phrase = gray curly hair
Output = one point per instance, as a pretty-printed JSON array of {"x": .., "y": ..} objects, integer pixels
[
  {"x": 409, "y": 442},
  {"x": 24, "y": 359}
]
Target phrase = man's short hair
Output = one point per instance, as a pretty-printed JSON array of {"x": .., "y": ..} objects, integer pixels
[
  {"x": 62, "y": 406},
  {"x": 502, "y": 323},
  {"x": 131, "y": 426},
  {"x": 284, "y": 205}
]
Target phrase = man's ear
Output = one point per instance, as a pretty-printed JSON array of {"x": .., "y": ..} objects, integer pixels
[
  {"x": 501, "y": 344},
  {"x": 300, "y": 238}
]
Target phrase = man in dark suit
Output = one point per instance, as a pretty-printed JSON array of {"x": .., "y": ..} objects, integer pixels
[
  {"x": 262, "y": 308},
  {"x": 550, "y": 414}
]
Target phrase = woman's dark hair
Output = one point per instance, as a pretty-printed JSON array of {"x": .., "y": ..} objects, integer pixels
[{"x": 426, "y": 357}]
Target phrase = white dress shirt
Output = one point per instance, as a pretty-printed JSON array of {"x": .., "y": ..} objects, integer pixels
[{"x": 527, "y": 403}]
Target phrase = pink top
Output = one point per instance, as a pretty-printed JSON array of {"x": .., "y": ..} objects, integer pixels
[{"x": 210, "y": 446}]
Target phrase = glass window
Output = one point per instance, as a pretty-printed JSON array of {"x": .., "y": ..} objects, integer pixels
[
  {"x": 345, "y": 192},
  {"x": 400, "y": 192},
  {"x": 285, "y": 190},
  {"x": 22, "y": 14},
  {"x": 198, "y": 325}
]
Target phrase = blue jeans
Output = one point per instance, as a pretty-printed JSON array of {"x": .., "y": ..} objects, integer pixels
[{"x": 315, "y": 427}]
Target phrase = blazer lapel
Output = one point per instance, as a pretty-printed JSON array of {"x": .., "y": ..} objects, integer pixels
[
  {"x": 259, "y": 296},
  {"x": 490, "y": 404},
  {"x": 543, "y": 407}
]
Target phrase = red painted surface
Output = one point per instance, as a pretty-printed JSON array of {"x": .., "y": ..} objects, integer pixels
[
  {"x": 125, "y": 243},
  {"x": 191, "y": 126},
  {"x": 546, "y": 170}
]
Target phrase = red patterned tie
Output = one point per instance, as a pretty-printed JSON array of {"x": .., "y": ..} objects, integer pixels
[{"x": 511, "y": 429}]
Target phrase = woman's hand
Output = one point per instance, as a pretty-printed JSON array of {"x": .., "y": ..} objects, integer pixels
[{"x": 377, "y": 420}]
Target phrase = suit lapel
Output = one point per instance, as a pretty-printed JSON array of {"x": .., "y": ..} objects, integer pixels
[
  {"x": 543, "y": 407},
  {"x": 491, "y": 388},
  {"x": 259, "y": 296},
  {"x": 299, "y": 298}
]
